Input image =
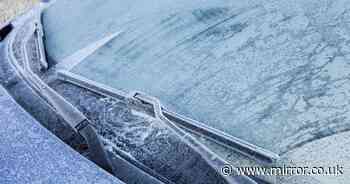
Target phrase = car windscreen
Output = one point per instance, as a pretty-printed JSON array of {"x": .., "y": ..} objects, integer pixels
[{"x": 256, "y": 72}]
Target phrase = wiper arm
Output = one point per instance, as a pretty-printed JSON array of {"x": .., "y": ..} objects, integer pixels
[{"x": 72, "y": 116}]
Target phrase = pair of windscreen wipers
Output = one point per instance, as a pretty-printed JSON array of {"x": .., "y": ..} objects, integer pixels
[{"x": 82, "y": 125}]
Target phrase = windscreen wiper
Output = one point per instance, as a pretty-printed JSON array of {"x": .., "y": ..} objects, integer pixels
[
  {"x": 73, "y": 117},
  {"x": 245, "y": 148},
  {"x": 180, "y": 125}
]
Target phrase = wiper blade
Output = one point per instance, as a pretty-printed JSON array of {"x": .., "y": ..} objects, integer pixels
[
  {"x": 180, "y": 124},
  {"x": 237, "y": 144}
]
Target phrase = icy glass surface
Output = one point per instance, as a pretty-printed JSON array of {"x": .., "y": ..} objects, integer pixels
[{"x": 274, "y": 73}]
